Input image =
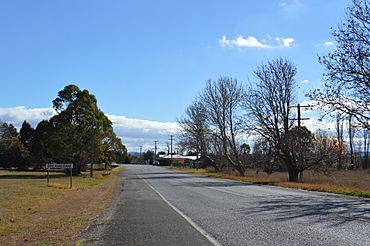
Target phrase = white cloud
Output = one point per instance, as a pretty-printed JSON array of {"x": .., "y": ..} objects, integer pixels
[
  {"x": 287, "y": 42},
  {"x": 224, "y": 42},
  {"x": 290, "y": 3},
  {"x": 328, "y": 44},
  {"x": 136, "y": 132},
  {"x": 253, "y": 42},
  {"x": 250, "y": 42},
  {"x": 305, "y": 81},
  {"x": 284, "y": 42},
  {"x": 315, "y": 125},
  {"x": 16, "y": 115},
  {"x": 133, "y": 132}
]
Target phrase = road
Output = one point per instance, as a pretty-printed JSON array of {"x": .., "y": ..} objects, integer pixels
[{"x": 164, "y": 207}]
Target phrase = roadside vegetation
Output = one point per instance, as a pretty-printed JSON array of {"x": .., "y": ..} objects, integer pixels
[
  {"x": 350, "y": 182},
  {"x": 78, "y": 133},
  {"x": 237, "y": 127},
  {"x": 33, "y": 213}
]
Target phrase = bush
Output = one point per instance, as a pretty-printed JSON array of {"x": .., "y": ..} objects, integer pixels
[{"x": 13, "y": 154}]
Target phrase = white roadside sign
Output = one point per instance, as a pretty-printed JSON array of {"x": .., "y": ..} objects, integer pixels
[{"x": 59, "y": 165}]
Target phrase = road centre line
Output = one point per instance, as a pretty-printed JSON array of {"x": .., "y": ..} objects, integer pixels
[{"x": 210, "y": 238}]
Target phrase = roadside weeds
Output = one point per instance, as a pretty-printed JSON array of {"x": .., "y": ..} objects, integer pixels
[{"x": 319, "y": 183}]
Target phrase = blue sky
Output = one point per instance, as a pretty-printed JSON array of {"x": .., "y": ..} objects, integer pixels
[{"x": 146, "y": 60}]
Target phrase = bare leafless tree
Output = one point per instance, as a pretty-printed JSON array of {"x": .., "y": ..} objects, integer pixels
[
  {"x": 196, "y": 133},
  {"x": 264, "y": 156},
  {"x": 351, "y": 134},
  {"x": 347, "y": 68},
  {"x": 193, "y": 126},
  {"x": 339, "y": 134},
  {"x": 366, "y": 145},
  {"x": 267, "y": 104},
  {"x": 222, "y": 99}
]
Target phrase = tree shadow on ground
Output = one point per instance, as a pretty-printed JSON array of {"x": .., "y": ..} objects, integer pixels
[
  {"x": 31, "y": 176},
  {"x": 156, "y": 173},
  {"x": 217, "y": 184},
  {"x": 161, "y": 177},
  {"x": 332, "y": 209}
]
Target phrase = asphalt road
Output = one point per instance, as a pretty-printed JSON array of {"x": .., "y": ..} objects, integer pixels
[{"x": 164, "y": 207}]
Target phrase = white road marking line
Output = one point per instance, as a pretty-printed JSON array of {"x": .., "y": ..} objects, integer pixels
[{"x": 211, "y": 239}]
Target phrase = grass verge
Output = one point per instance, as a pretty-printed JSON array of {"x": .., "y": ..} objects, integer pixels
[
  {"x": 351, "y": 183},
  {"x": 33, "y": 213}
]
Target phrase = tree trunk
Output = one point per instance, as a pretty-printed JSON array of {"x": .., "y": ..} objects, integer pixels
[
  {"x": 365, "y": 163},
  {"x": 350, "y": 133},
  {"x": 301, "y": 176},
  {"x": 241, "y": 171},
  {"x": 293, "y": 174}
]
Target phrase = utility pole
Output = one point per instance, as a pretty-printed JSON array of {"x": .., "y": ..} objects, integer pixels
[
  {"x": 141, "y": 148},
  {"x": 299, "y": 118},
  {"x": 171, "y": 139},
  {"x": 155, "y": 149},
  {"x": 168, "y": 148}
]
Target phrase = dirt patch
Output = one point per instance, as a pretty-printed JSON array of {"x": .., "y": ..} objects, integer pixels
[{"x": 91, "y": 235}]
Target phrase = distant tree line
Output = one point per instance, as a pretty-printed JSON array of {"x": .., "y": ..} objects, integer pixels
[
  {"x": 218, "y": 124},
  {"x": 80, "y": 133}
]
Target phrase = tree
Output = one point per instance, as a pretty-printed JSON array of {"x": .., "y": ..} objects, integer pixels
[
  {"x": 299, "y": 143},
  {"x": 8, "y": 131},
  {"x": 13, "y": 153},
  {"x": 264, "y": 156},
  {"x": 222, "y": 101},
  {"x": 268, "y": 103},
  {"x": 112, "y": 149},
  {"x": 324, "y": 153},
  {"x": 351, "y": 135},
  {"x": 80, "y": 132},
  {"x": 195, "y": 132},
  {"x": 194, "y": 126},
  {"x": 366, "y": 147},
  {"x": 347, "y": 68},
  {"x": 149, "y": 155},
  {"x": 339, "y": 132},
  {"x": 39, "y": 153},
  {"x": 26, "y": 135}
]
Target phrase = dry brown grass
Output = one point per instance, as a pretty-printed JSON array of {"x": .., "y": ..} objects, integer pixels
[
  {"x": 33, "y": 213},
  {"x": 349, "y": 182}
]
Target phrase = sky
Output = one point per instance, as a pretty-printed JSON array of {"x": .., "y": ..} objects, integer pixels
[{"x": 145, "y": 60}]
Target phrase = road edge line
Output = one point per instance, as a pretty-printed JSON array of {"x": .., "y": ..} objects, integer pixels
[{"x": 210, "y": 238}]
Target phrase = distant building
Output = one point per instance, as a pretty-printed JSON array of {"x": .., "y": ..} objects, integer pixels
[{"x": 165, "y": 160}]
